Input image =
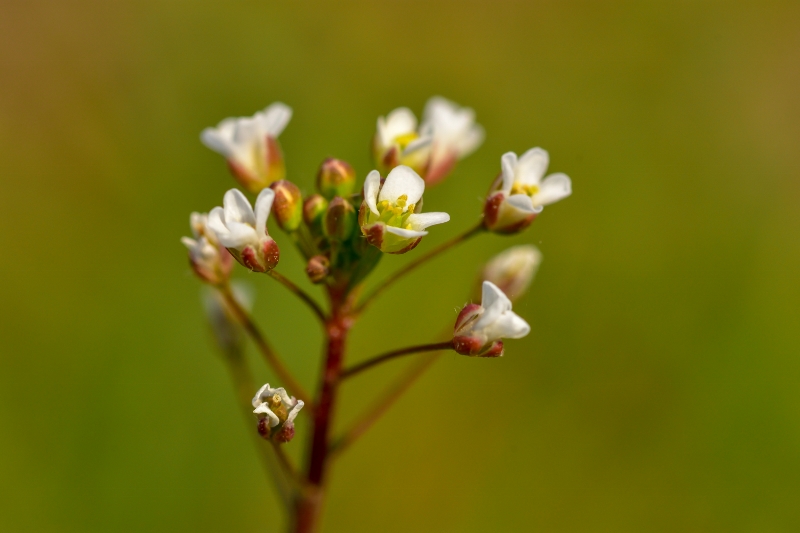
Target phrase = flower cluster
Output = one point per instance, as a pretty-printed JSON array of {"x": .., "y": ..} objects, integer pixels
[{"x": 344, "y": 227}]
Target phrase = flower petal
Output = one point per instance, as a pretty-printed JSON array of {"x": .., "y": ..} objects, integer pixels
[
  {"x": 420, "y": 221},
  {"x": 402, "y": 180},
  {"x": 263, "y": 207},
  {"x": 258, "y": 399},
  {"x": 189, "y": 243},
  {"x": 273, "y": 119},
  {"x": 237, "y": 208},
  {"x": 555, "y": 187},
  {"x": 508, "y": 325},
  {"x": 494, "y": 303},
  {"x": 293, "y": 413},
  {"x": 508, "y": 164},
  {"x": 263, "y": 409},
  {"x": 470, "y": 141},
  {"x": 406, "y": 233},
  {"x": 531, "y": 166},
  {"x": 239, "y": 235},
  {"x": 216, "y": 221},
  {"x": 524, "y": 203},
  {"x": 399, "y": 122},
  {"x": 372, "y": 185},
  {"x": 219, "y": 142}
]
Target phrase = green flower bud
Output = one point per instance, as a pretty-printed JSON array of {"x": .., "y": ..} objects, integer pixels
[
  {"x": 336, "y": 178},
  {"x": 288, "y": 206},
  {"x": 340, "y": 219},
  {"x": 314, "y": 209}
]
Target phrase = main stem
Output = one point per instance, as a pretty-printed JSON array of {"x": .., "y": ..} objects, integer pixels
[{"x": 309, "y": 504}]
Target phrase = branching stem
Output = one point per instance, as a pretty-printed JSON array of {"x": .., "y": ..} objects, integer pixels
[
  {"x": 300, "y": 293},
  {"x": 264, "y": 347},
  {"x": 392, "y": 394},
  {"x": 378, "y": 359},
  {"x": 377, "y": 291}
]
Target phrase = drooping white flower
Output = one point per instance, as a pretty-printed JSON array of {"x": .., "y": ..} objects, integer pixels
[
  {"x": 250, "y": 145},
  {"x": 243, "y": 231},
  {"x": 523, "y": 191},
  {"x": 455, "y": 135},
  {"x": 274, "y": 407},
  {"x": 479, "y": 328},
  {"x": 390, "y": 216},
  {"x": 398, "y": 142},
  {"x": 211, "y": 262},
  {"x": 513, "y": 269}
]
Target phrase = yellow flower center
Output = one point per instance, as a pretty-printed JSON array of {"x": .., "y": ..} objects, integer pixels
[
  {"x": 404, "y": 140},
  {"x": 521, "y": 188},
  {"x": 396, "y": 214}
]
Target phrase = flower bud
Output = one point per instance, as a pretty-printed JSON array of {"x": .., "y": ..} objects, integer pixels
[
  {"x": 288, "y": 205},
  {"x": 340, "y": 219},
  {"x": 314, "y": 209},
  {"x": 513, "y": 269},
  {"x": 336, "y": 178},
  {"x": 318, "y": 268}
]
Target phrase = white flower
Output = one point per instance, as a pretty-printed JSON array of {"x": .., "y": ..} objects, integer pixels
[
  {"x": 479, "y": 328},
  {"x": 244, "y": 231},
  {"x": 513, "y": 269},
  {"x": 274, "y": 407},
  {"x": 523, "y": 193},
  {"x": 390, "y": 215},
  {"x": 397, "y": 142},
  {"x": 455, "y": 135},
  {"x": 208, "y": 260},
  {"x": 250, "y": 145}
]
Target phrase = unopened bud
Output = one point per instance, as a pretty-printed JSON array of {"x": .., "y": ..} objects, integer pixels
[
  {"x": 285, "y": 434},
  {"x": 263, "y": 428},
  {"x": 336, "y": 178},
  {"x": 318, "y": 268},
  {"x": 340, "y": 219},
  {"x": 314, "y": 211},
  {"x": 288, "y": 205},
  {"x": 513, "y": 270}
]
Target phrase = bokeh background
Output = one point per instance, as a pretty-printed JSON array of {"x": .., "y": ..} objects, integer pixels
[{"x": 658, "y": 390}]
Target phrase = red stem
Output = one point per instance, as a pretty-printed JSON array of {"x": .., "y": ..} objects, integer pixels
[{"x": 308, "y": 507}]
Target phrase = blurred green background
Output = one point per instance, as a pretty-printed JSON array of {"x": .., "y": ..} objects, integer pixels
[{"x": 658, "y": 390}]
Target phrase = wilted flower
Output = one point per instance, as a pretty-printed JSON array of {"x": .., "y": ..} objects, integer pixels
[
  {"x": 210, "y": 261},
  {"x": 244, "y": 231},
  {"x": 522, "y": 192},
  {"x": 227, "y": 330},
  {"x": 276, "y": 412},
  {"x": 455, "y": 136},
  {"x": 390, "y": 215},
  {"x": 397, "y": 142},
  {"x": 479, "y": 328},
  {"x": 250, "y": 145},
  {"x": 513, "y": 269}
]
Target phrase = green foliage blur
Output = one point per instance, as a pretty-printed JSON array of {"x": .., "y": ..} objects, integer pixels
[{"x": 658, "y": 390}]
